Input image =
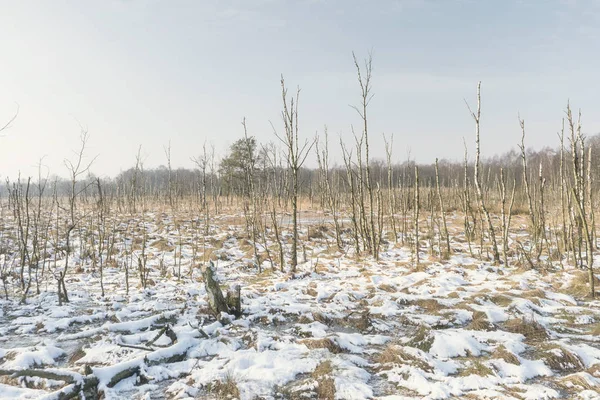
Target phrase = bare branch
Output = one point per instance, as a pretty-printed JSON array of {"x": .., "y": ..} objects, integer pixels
[{"x": 10, "y": 121}]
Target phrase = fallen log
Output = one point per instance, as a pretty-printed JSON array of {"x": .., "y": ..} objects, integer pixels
[
  {"x": 99, "y": 378},
  {"x": 54, "y": 374},
  {"x": 131, "y": 346},
  {"x": 112, "y": 375},
  {"x": 76, "y": 383},
  {"x": 66, "y": 393},
  {"x": 75, "y": 391},
  {"x": 156, "y": 321},
  {"x": 165, "y": 330}
]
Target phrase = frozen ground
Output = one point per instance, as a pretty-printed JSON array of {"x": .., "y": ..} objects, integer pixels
[{"x": 343, "y": 327}]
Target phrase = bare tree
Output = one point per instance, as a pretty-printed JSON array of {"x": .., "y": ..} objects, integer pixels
[
  {"x": 296, "y": 155},
  {"x": 442, "y": 209},
  {"x": 170, "y": 194},
  {"x": 249, "y": 171},
  {"x": 77, "y": 168},
  {"x": 364, "y": 81},
  {"x": 477, "y": 178},
  {"x": 416, "y": 216},
  {"x": 532, "y": 215},
  {"x": 391, "y": 194},
  {"x": 331, "y": 197}
]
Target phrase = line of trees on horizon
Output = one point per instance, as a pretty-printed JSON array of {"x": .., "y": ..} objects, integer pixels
[{"x": 226, "y": 177}]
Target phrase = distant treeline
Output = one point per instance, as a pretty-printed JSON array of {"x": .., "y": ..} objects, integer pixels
[{"x": 226, "y": 177}]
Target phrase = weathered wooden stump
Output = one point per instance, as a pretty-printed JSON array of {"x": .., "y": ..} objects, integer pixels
[{"x": 217, "y": 302}]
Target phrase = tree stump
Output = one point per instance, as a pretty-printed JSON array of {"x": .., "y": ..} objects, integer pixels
[
  {"x": 216, "y": 300},
  {"x": 234, "y": 300}
]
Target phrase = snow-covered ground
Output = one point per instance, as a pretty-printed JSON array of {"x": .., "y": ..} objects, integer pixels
[{"x": 342, "y": 327}]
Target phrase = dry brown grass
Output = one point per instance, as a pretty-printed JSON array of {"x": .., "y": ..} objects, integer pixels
[
  {"x": 326, "y": 384},
  {"x": 533, "y": 294},
  {"x": 594, "y": 370},
  {"x": 7, "y": 380},
  {"x": 246, "y": 247},
  {"x": 594, "y": 329},
  {"x": 324, "y": 343},
  {"x": 475, "y": 367},
  {"x": 429, "y": 305},
  {"x": 422, "y": 267},
  {"x": 501, "y": 300},
  {"x": 304, "y": 319},
  {"x": 579, "y": 285},
  {"x": 503, "y": 353},
  {"x": 162, "y": 245},
  {"x": 226, "y": 389},
  {"x": 528, "y": 327},
  {"x": 76, "y": 355},
  {"x": 212, "y": 254},
  {"x": 559, "y": 358},
  {"x": 311, "y": 289},
  {"x": 422, "y": 339},
  {"x": 387, "y": 288},
  {"x": 322, "y": 318},
  {"x": 577, "y": 381},
  {"x": 317, "y": 231},
  {"x": 394, "y": 355},
  {"x": 480, "y": 322},
  {"x": 10, "y": 355},
  {"x": 359, "y": 320}
]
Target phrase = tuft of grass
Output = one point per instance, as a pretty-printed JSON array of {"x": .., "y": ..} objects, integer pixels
[
  {"x": 76, "y": 355},
  {"x": 503, "y": 353},
  {"x": 579, "y": 285},
  {"x": 317, "y": 232},
  {"x": 10, "y": 355},
  {"x": 325, "y": 383},
  {"x": 394, "y": 355},
  {"x": 387, "y": 288},
  {"x": 579, "y": 381},
  {"x": 475, "y": 367},
  {"x": 304, "y": 319},
  {"x": 501, "y": 300},
  {"x": 530, "y": 328},
  {"x": 594, "y": 329},
  {"x": 324, "y": 343},
  {"x": 560, "y": 359},
  {"x": 226, "y": 389},
  {"x": 7, "y": 380},
  {"x": 360, "y": 321},
  {"x": 162, "y": 245},
  {"x": 480, "y": 322},
  {"x": 594, "y": 370},
  {"x": 422, "y": 339},
  {"x": 534, "y": 294},
  {"x": 322, "y": 318},
  {"x": 429, "y": 305}
]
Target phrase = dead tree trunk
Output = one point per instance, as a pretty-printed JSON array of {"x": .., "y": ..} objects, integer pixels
[
  {"x": 217, "y": 302},
  {"x": 477, "y": 117}
]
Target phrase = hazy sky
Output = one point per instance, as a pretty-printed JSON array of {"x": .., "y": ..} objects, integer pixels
[{"x": 146, "y": 72}]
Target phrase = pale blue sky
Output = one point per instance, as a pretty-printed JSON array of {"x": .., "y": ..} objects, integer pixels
[{"x": 143, "y": 72}]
